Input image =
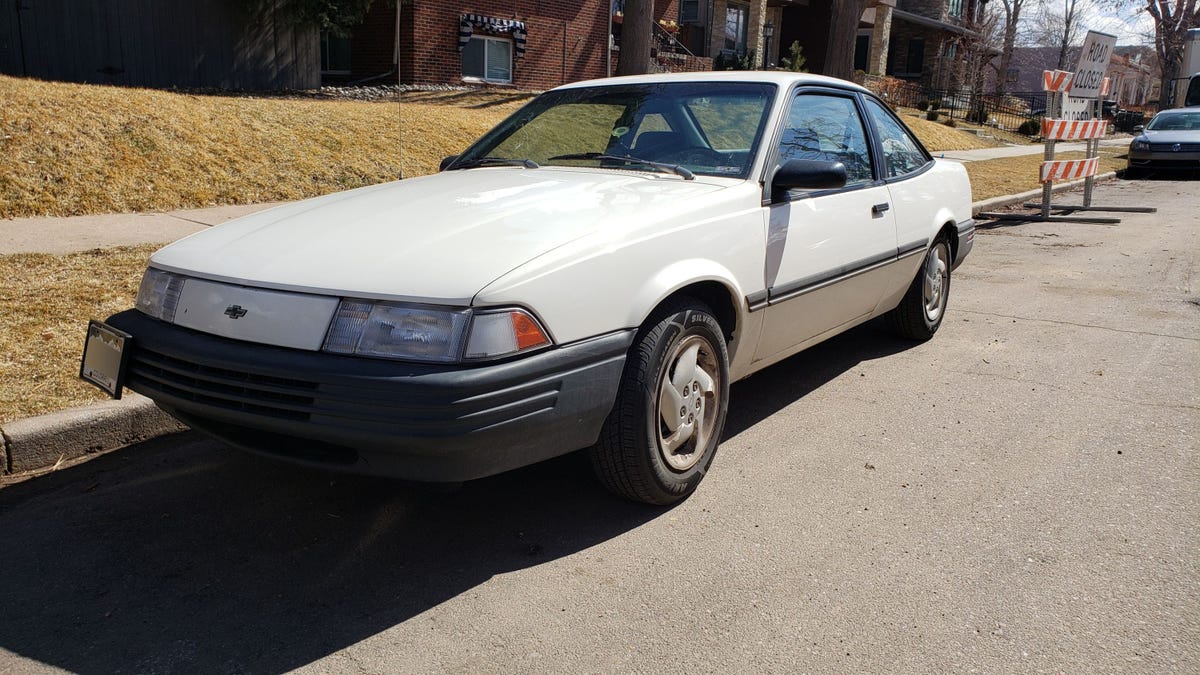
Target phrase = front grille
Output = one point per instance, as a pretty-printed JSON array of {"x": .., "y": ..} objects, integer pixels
[
  {"x": 1170, "y": 147},
  {"x": 278, "y": 397}
]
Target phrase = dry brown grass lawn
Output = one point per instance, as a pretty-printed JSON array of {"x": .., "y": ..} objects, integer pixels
[
  {"x": 1012, "y": 175},
  {"x": 46, "y": 301},
  {"x": 937, "y": 137},
  {"x": 70, "y": 149}
]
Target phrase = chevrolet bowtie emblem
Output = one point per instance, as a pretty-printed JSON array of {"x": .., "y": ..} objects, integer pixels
[
  {"x": 1175, "y": 148},
  {"x": 235, "y": 311}
]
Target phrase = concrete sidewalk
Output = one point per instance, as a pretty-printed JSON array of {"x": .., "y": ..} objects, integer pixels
[
  {"x": 1021, "y": 150},
  {"x": 82, "y": 233}
]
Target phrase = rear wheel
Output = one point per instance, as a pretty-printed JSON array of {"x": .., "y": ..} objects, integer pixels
[
  {"x": 919, "y": 314},
  {"x": 664, "y": 429}
]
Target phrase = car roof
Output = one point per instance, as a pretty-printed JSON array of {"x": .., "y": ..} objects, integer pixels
[{"x": 783, "y": 79}]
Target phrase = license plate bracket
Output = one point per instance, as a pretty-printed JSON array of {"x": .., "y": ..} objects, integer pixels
[{"x": 105, "y": 357}]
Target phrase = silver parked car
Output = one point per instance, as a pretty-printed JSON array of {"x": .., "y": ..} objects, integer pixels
[{"x": 1170, "y": 142}]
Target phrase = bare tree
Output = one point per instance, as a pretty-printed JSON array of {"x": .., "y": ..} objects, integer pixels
[
  {"x": 1010, "y": 22},
  {"x": 637, "y": 29},
  {"x": 1068, "y": 29},
  {"x": 1171, "y": 24},
  {"x": 843, "y": 29}
]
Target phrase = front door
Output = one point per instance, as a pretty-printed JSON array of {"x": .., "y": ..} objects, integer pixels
[{"x": 828, "y": 250}]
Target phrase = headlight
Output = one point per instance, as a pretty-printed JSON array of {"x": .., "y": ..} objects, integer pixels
[
  {"x": 158, "y": 294},
  {"x": 421, "y": 333},
  {"x": 1140, "y": 144}
]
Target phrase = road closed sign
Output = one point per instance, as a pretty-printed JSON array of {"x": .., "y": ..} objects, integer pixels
[{"x": 1093, "y": 61}]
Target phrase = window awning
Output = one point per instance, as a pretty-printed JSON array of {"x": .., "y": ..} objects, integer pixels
[{"x": 468, "y": 23}]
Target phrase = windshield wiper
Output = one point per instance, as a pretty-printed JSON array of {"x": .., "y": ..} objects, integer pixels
[
  {"x": 497, "y": 161},
  {"x": 671, "y": 168}
]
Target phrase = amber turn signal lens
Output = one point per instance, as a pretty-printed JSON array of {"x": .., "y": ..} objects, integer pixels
[{"x": 528, "y": 333}]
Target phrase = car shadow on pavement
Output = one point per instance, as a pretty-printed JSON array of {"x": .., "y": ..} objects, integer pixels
[
  {"x": 180, "y": 555},
  {"x": 772, "y": 389}
]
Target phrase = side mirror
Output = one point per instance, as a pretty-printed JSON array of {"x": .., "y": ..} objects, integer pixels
[
  {"x": 447, "y": 161},
  {"x": 1138, "y": 127},
  {"x": 808, "y": 174}
]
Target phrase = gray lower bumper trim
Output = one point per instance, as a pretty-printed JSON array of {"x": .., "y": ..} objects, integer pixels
[{"x": 415, "y": 421}]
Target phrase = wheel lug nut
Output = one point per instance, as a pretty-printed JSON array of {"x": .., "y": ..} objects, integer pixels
[
  {"x": 695, "y": 386},
  {"x": 691, "y": 419},
  {"x": 682, "y": 412}
]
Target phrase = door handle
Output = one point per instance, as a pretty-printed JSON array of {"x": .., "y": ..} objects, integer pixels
[{"x": 880, "y": 208}]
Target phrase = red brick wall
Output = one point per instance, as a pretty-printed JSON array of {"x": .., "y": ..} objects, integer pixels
[{"x": 566, "y": 40}]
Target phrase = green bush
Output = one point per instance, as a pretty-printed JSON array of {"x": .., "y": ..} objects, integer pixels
[
  {"x": 922, "y": 105},
  {"x": 1030, "y": 128},
  {"x": 734, "y": 62},
  {"x": 932, "y": 115},
  {"x": 796, "y": 61}
]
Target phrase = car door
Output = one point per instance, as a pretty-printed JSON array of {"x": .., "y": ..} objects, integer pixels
[
  {"x": 826, "y": 248},
  {"x": 916, "y": 198}
]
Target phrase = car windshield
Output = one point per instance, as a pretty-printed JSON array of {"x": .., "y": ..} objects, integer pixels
[
  {"x": 1175, "y": 121},
  {"x": 686, "y": 128}
]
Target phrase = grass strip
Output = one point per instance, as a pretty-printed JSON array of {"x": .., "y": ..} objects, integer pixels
[
  {"x": 46, "y": 301},
  {"x": 1013, "y": 175}
]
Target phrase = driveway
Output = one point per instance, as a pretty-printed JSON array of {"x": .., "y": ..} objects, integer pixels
[{"x": 1018, "y": 494}]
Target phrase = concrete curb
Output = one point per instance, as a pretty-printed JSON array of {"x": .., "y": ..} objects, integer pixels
[
  {"x": 1008, "y": 200},
  {"x": 42, "y": 444}
]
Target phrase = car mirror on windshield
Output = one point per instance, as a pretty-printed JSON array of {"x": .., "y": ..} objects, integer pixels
[{"x": 808, "y": 174}]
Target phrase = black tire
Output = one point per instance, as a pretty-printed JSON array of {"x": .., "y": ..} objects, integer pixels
[
  {"x": 632, "y": 459},
  {"x": 920, "y": 313}
]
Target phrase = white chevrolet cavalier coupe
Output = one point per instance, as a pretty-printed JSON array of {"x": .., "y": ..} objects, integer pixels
[{"x": 592, "y": 273}]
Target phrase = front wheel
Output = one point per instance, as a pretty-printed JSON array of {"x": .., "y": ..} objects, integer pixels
[
  {"x": 919, "y": 314},
  {"x": 667, "y": 421}
]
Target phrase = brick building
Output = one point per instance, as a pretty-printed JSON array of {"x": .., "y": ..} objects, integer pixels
[
  {"x": 918, "y": 40},
  {"x": 527, "y": 44}
]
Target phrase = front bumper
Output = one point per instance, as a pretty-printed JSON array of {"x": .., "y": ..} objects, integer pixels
[
  {"x": 413, "y": 421},
  {"x": 1164, "y": 161}
]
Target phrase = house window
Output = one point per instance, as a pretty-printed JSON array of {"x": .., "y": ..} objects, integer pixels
[
  {"x": 1012, "y": 74},
  {"x": 956, "y": 8},
  {"x": 916, "y": 57},
  {"x": 335, "y": 54},
  {"x": 689, "y": 11},
  {"x": 488, "y": 59},
  {"x": 737, "y": 21},
  {"x": 951, "y": 50}
]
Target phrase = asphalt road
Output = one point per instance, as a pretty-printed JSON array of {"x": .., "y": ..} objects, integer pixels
[{"x": 1020, "y": 494}]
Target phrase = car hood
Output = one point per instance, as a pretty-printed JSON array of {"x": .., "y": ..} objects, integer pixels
[
  {"x": 1174, "y": 136},
  {"x": 439, "y": 238}
]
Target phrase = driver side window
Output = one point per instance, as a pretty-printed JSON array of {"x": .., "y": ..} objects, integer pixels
[{"x": 827, "y": 127}]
